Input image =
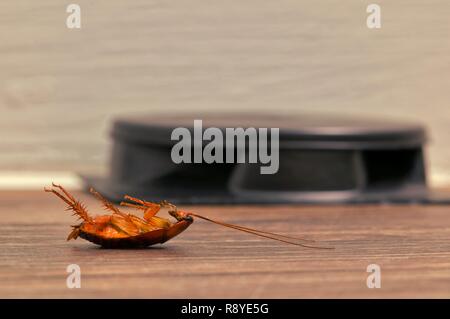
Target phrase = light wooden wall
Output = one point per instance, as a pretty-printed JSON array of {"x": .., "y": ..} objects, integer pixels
[{"x": 59, "y": 87}]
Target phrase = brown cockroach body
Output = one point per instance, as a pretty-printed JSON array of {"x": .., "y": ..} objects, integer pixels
[{"x": 122, "y": 230}]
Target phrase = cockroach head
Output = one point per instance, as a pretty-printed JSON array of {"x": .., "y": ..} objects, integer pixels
[
  {"x": 178, "y": 215},
  {"x": 175, "y": 213}
]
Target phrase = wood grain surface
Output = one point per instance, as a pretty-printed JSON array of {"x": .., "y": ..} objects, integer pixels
[
  {"x": 59, "y": 87},
  {"x": 410, "y": 243}
]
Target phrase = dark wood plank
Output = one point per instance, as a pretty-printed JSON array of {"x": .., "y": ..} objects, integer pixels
[{"x": 410, "y": 243}]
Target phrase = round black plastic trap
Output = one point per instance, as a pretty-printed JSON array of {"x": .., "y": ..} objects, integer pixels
[{"x": 321, "y": 160}]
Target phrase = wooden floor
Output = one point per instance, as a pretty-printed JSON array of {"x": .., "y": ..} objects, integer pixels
[{"x": 410, "y": 243}]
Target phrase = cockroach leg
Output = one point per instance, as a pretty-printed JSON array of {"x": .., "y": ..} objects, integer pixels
[
  {"x": 136, "y": 200},
  {"x": 74, "y": 205},
  {"x": 106, "y": 204},
  {"x": 150, "y": 209},
  {"x": 65, "y": 192},
  {"x": 67, "y": 201},
  {"x": 132, "y": 205},
  {"x": 74, "y": 233},
  {"x": 173, "y": 210},
  {"x": 129, "y": 224}
]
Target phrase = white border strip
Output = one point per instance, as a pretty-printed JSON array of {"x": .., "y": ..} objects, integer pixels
[
  {"x": 440, "y": 179},
  {"x": 36, "y": 180}
]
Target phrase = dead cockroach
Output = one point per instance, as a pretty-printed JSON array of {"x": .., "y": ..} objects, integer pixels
[{"x": 121, "y": 230}]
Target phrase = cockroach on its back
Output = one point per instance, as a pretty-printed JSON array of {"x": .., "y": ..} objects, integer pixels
[{"x": 122, "y": 230}]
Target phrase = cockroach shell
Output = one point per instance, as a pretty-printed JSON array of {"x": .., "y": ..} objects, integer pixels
[{"x": 153, "y": 237}]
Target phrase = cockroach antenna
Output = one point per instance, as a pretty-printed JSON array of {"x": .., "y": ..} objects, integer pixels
[{"x": 282, "y": 238}]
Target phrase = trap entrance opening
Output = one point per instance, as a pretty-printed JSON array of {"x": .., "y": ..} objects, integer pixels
[
  {"x": 393, "y": 168},
  {"x": 338, "y": 170}
]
